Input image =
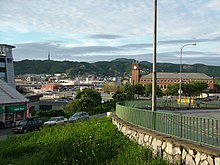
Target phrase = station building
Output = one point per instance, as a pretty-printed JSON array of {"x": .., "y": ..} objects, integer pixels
[{"x": 166, "y": 78}]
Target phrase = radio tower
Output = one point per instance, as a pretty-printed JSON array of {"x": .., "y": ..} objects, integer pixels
[{"x": 48, "y": 55}]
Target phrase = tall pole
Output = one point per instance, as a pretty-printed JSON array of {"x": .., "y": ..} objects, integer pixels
[
  {"x": 180, "y": 81},
  {"x": 154, "y": 74}
]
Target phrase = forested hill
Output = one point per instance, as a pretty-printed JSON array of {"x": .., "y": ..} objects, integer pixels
[{"x": 118, "y": 67}]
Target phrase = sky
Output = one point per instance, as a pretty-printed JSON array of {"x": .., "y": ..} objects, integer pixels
[{"x": 104, "y": 30}]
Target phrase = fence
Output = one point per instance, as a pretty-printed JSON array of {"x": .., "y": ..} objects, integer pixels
[{"x": 197, "y": 129}]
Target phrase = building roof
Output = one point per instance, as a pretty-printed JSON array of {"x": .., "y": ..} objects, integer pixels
[
  {"x": 10, "y": 95},
  {"x": 7, "y": 45},
  {"x": 169, "y": 75}
]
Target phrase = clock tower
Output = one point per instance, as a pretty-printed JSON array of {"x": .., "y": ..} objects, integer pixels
[{"x": 135, "y": 73}]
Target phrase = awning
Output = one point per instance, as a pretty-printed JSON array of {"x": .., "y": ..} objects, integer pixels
[
  {"x": 15, "y": 108},
  {"x": 1, "y": 110}
]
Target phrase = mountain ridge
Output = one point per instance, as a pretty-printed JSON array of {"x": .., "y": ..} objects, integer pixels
[{"x": 117, "y": 67}]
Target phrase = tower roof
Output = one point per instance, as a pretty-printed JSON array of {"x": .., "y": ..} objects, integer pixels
[
  {"x": 7, "y": 45},
  {"x": 200, "y": 76}
]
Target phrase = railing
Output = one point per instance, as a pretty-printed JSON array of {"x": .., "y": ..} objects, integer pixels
[{"x": 197, "y": 129}]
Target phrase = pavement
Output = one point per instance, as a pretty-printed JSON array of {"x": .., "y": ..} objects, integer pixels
[
  {"x": 4, "y": 133},
  {"x": 207, "y": 113}
]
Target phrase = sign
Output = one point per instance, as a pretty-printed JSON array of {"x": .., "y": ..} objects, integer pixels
[
  {"x": 15, "y": 108},
  {"x": 185, "y": 101},
  {"x": 1, "y": 110},
  {"x": 180, "y": 91},
  {"x": 28, "y": 111}
]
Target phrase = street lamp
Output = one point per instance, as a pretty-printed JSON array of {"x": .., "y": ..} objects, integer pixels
[{"x": 180, "y": 83}]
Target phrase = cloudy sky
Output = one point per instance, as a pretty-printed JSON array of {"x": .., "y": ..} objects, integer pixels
[{"x": 103, "y": 30}]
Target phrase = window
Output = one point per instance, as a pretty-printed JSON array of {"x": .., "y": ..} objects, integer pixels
[
  {"x": 9, "y": 60},
  {"x": 2, "y": 70},
  {"x": 2, "y": 74},
  {"x": 2, "y": 65},
  {"x": 2, "y": 60}
]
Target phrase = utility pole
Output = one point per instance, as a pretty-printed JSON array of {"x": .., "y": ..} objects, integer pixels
[{"x": 154, "y": 73}]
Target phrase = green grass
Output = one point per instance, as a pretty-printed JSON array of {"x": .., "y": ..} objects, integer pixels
[{"x": 91, "y": 142}]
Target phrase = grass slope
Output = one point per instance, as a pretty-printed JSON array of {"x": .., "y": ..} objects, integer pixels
[{"x": 92, "y": 142}]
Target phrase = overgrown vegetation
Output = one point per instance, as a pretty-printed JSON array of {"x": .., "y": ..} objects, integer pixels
[{"x": 91, "y": 142}]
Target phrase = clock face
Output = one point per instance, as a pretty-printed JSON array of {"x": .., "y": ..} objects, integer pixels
[{"x": 135, "y": 67}]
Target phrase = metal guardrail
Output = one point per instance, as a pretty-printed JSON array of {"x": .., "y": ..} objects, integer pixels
[{"x": 196, "y": 129}]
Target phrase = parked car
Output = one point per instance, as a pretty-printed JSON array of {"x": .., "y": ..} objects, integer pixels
[
  {"x": 79, "y": 116},
  {"x": 56, "y": 120},
  {"x": 62, "y": 100},
  {"x": 29, "y": 124}
]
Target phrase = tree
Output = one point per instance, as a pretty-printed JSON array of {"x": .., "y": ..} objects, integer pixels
[
  {"x": 194, "y": 88},
  {"x": 93, "y": 94},
  {"x": 85, "y": 100},
  {"x": 148, "y": 90},
  {"x": 109, "y": 87},
  {"x": 128, "y": 90},
  {"x": 172, "y": 89},
  {"x": 139, "y": 89},
  {"x": 119, "y": 96}
]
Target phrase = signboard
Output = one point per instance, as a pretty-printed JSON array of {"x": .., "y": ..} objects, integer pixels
[
  {"x": 28, "y": 111},
  {"x": 15, "y": 108},
  {"x": 1, "y": 110},
  {"x": 184, "y": 100}
]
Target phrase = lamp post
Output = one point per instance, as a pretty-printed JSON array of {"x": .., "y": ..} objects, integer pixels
[
  {"x": 154, "y": 73},
  {"x": 180, "y": 83}
]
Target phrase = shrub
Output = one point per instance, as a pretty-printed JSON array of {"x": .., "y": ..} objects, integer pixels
[{"x": 45, "y": 114}]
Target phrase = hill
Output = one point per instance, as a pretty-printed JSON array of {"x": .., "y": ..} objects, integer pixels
[
  {"x": 117, "y": 67},
  {"x": 92, "y": 142}
]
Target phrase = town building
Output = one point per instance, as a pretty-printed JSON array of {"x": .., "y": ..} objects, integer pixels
[
  {"x": 13, "y": 105},
  {"x": 135, "y": 73},
  {"x": 50, "y": 87},
  {"x": 166, "y": 78},
  {"x": 6, "y": 65},
  {"x": 34, "y": 102}
]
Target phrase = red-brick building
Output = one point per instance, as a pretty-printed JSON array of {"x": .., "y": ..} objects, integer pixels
[
  {"x": 166, "y": 78},
  {"x": 135, "y": 74},
  {"x": 50, "y": 87}
]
